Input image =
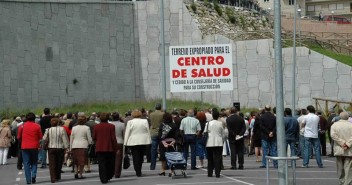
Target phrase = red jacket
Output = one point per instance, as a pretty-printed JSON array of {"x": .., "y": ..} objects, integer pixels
[
  {"x": 105, "y": 138},
  {"x": 31, "y": 135}
]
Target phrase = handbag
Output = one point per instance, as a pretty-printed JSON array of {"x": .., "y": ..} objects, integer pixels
[
  {"x": 126, "y": 162},
  {"x": 91, "y": 151},
  {"x": 69, "y": 161},
  {"x": 46, "y": 142},
  {"x": 205, "y": 135}
]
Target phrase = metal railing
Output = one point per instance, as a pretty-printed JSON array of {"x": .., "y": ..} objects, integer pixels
[{"x": 293, "y": 158}]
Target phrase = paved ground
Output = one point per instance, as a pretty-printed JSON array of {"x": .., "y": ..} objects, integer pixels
[{"x": 250, "y": 175}]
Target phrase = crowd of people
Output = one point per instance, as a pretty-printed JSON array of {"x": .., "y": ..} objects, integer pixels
[{"x": 108, "y": 139}]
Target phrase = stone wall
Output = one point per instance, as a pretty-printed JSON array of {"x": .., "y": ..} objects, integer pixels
[
  {"x": 253, "y": 63},
  {"x": 57, "y": 53}
]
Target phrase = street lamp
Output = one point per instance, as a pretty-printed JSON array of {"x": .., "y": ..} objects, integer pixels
[
  {"x": 299, "y": 25},
  {"x": 332, "y": 13}
]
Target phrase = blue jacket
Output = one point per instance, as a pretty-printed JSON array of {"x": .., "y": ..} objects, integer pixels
[{"x": 291, "y": 128}]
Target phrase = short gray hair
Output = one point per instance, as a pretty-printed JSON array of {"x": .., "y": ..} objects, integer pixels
[{"x": 344, "y": 115}]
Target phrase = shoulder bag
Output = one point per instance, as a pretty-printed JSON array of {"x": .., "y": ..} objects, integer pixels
[
  {"x": 46, "y": 142},
  {"x": 205, "y": 135}
]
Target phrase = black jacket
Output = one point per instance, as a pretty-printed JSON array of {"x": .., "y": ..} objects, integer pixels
[
  {"x": 236, "y": 126},
  {"x": 267, "y": 125}
]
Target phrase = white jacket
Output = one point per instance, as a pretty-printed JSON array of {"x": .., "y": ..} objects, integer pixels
[
  {"x": 137, "y": 132},
  {"x": 216, "y": 133},
  {"x": 341, "y": 134}
]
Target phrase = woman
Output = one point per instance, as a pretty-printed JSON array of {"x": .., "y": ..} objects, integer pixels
[
  {"x": 58, "y": 142},
  {"x": 214, "y": 145},
  {"x": 137, "y": 137},
  {"x": 5, "y": 140},
  {"x": 106, "y": 147},
  {"x": 167, "y": 137},
  {"x": 256, "y": 137},
  {"x": 200, "y": 146},
  {"x": 79, "y": 141}
]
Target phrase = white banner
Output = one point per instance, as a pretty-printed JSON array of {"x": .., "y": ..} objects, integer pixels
[{"x": 201, "y": 68}]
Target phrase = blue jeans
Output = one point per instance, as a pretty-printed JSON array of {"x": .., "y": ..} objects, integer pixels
[
  {"x": 301, "y": 145},
  {"x": 272, "y": 147},
  {"x": 308, "y": 142},
  {"x": 154, "y": 152},
  {"x": 200, "y": 149},
  {"x": 30, "y": 159},
  {"x": 190, "y": 141},
  {"x": 43, "y": 156}
]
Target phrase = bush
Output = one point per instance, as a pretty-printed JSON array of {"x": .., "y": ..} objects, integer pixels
[
  {"x": 232, "y": 19},
  {"x": 242, "y": 21},
  {"x": 228, "y": 11},
  {"x": 217, "y": 8},
  {"x": 194, "y": 7}
]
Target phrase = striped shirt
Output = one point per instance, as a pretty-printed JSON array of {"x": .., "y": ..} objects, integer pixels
[{"x": 190, "y": 125}]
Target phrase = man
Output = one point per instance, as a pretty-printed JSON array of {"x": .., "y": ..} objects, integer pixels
[
  {"x": 301, "y": 132},
  {"x": 311, "y": 137},
  {"x": 120, "y": 135},
  {"x": 44, "y": 125},
  {"x": 156, "y": 118},
  {"x": 30, "y": 135},
  {"x": 268, "y": 135},
  {"x": 323, "y": 125},
  {"x": 341, "y": 134},
  {"x": 291, "y": 130},
  {"x": 236, "y": 127},
  {"x": 106, "y": 147},
  {"x": 190, "y": 127}
]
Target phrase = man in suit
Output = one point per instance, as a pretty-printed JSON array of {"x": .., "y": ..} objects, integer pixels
[
  {"x": 106, "y": 147},
  {"x": 341, "y": 134},
  {"x": 237, "y": 128}
]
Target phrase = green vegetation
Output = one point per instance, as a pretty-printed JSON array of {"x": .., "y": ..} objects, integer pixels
[
  {"x": 194, "y": 7},
  {"x": 346, "y": 59},
  {"x": 121, "y": 107},
  {"x": 242, "y": 22},
  {"x": 217, "y": 8},
  {"x": 207, "y": 4},
  {"x": 232, "y": 19}
]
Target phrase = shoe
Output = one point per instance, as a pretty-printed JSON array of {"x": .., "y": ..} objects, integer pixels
[
  {"x": 240, "y": 167},
  {"x": 162, "y": 174},
  {"x": 233, "y": 168},
  {"x": 210, "y": 175},
  {"x": 33, "y": 180},
  {"x": 262, "y": 166},
  {"x": 117, "y": 176},
  {"x": 88, "y": 171},
  {"x": 194, "y": 168},
  {"x": 199, "y": 166},
  {"x": 217, "y": 176},
  {"x": 76, "y": 176},
  {"x": 170, "y": 174},
  {"x": 321, "y": 166},
  {"x": 81, "y": 177},
  {"x": 304, "y": 166},
  {"x": 43, "y": 167},
  {"x": 62, "y": 171}
]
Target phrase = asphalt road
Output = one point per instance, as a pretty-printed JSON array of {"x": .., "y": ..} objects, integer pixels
[{"x": 251, "y": 174}]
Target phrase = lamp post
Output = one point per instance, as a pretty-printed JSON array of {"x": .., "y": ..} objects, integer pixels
[
  {"x": 332, "y": 13},
  {"x": 299, "y": 26},
  {"x": 294, "y": 59},
  {"x": 269, "y": 9},
  {"x": 163, "y": 75}
]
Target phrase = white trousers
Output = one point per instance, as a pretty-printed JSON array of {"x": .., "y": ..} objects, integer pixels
[{"x": 3, "y": 155}]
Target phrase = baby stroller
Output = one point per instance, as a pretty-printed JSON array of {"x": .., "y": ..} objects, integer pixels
[{"x": 176, "y": 161}]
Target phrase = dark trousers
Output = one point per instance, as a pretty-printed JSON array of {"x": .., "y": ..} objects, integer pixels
[
  {"x": 137, "y": 157},
  {"x": 214, "y": 160},
  {"x": 106, "y": 161},
  {"x": 323, "y": 144},
  {"x": 118, "y": 160},
  {"x": 237, "y": 151},
  {"x": 189, "y": 140},
  {"x": 55, "y": 163},
  {"x": 19, "y": 160}
]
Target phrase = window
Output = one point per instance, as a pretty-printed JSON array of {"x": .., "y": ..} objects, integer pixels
[
  {"x": 339, "y": 6},
  {"x": 310, "y": 9},
  {"x": 291, "y": 2},
  {"x": 266, "y": 0},
  {"x": 332, "y": 6},
  {"x": 317, "y": 8}
]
